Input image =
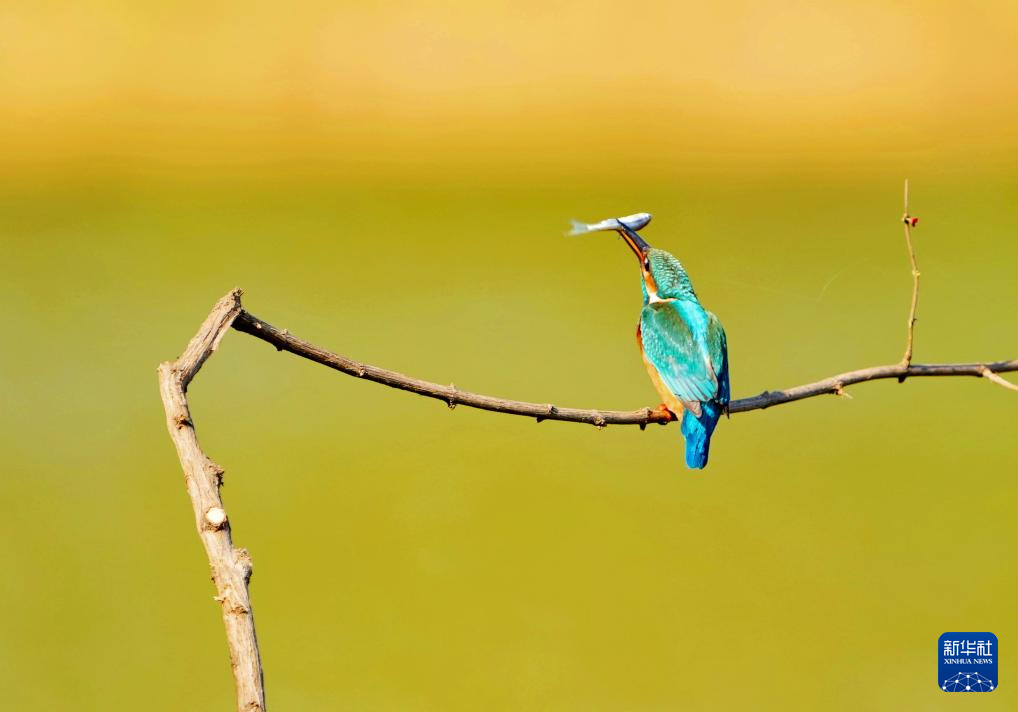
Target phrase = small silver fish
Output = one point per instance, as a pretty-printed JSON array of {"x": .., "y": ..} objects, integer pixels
[{"x": 636, "y": 221}]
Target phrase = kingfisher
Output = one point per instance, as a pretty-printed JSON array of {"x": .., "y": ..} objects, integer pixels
[{"x": 683, "y": 345}]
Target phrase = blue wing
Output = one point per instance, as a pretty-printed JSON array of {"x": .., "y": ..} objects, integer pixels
[
  {"x": 676, "y": 342},
  {"x": 717, "y": 349},
  {"x": 688, "y": 348}
]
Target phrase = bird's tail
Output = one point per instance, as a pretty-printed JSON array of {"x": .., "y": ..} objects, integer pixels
[{"x": 697, "y": 432}]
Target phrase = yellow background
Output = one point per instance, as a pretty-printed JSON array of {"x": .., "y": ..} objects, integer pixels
[{"x": 392, "y": 181}]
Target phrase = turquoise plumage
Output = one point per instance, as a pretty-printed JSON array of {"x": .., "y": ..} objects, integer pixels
[{"x": 684, "y": 345}]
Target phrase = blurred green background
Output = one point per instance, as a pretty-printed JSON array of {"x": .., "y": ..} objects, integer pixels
[{"x": 392, "y": 182}]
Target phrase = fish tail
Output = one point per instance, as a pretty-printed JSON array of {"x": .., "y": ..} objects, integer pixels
[
  {"x": 697, "y": 432},
  {"x": 578, "y": 228}
]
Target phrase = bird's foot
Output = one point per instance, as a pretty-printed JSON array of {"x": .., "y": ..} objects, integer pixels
[{"x": 663, "y": 411}]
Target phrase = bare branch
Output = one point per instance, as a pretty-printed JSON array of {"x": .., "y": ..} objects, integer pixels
[
  {"x": 910, "y": 222},
  {"x": 283, "y": 340},
  {"x": 231, "y": 567}
]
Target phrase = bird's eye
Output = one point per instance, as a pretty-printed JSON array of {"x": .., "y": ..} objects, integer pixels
[{"x": 646, "y": 265}]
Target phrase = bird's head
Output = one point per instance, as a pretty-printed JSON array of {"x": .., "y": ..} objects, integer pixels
[{"x": 664, "y": 277}]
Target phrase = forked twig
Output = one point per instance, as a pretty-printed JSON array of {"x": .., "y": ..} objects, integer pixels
[{"x": 231, "y": 567}]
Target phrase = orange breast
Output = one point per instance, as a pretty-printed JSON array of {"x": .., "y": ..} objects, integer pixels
[{"x": 667, "y": 397}]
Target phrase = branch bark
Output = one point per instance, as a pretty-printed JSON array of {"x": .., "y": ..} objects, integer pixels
[
  {"x": 231, "y": 567},
  {"x": 283, "y": 340}
]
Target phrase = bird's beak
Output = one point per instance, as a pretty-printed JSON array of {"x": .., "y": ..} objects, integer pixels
[{"x": 635, "y": 242}]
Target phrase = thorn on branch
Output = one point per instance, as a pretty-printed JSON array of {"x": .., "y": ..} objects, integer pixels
[
  {"x": 284, "y": 332},
  {"x": 231, "y": 605},
  {"x": 214, "y": 472},
  {"x": 244, "y": 562},
  {"x": 839, "y": 390},
  {"x": 550, "y": 410}
]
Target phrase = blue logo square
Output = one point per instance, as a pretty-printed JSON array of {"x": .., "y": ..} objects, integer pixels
[{"x": 968, "y": 662}]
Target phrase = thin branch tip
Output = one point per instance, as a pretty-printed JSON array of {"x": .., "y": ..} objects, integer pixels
[
  {"x": 910, "y": 222},
  {"x": 991, "y": 376}
]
